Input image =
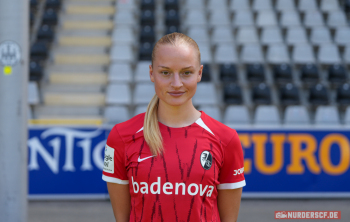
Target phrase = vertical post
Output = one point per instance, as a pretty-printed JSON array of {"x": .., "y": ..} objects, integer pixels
[{"x": 14, "y": 28}]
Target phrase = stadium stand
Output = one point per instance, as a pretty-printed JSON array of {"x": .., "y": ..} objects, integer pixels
[{"x": 89, "y": 59}]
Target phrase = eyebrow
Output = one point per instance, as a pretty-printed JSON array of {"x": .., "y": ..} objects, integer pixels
[{"x": 181, "y": 69}]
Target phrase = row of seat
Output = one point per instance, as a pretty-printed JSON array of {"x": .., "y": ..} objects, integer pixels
[
  {"x": 271, "y": 35},
  {"x": 240, "y": 115},
  {"x": 258, "y": 5},
  {"x": 220, "y": 17}
]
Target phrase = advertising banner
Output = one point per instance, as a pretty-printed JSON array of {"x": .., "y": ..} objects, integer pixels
[{"x": 67, "y": 162}]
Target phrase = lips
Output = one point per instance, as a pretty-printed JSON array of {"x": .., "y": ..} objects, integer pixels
[{"x": 176, "y": 93}]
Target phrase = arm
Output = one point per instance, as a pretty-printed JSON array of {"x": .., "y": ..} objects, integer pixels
[
  {"x": 120, "y": 200},
  {"x": 228, "y": 204}
]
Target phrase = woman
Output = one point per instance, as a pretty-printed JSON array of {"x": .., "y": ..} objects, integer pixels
[{"x": 174, "y": 163}]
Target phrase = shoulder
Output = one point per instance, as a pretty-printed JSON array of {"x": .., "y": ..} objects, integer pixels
[
  {"x": 224, "y": 133},
  {"x": 129, "y": 127}
]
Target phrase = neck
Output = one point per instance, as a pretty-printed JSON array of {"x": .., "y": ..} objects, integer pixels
[{"x": 177, "y": 116}]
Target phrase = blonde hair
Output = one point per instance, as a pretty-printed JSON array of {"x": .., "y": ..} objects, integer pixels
[{"x": 151, "y": 130}]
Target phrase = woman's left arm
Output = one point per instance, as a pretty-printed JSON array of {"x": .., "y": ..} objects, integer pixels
[{"x": 228, "y": 204}]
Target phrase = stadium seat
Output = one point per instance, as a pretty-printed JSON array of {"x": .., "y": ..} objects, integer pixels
[
  {"x": 171, "y": 5},
  {"x": 243, "y": 18},
  {"x": 285, "y": 5},
  {"x": 140, "y": 109},
  {"x": 267, "y": 115},
  {"x": 54, "y": 4},
  {"x": 35, "y": 71},
  {"x": 50, "y": 17},
  {"x": 296, "y": 35},
  {"x": 205, "y": 94},
  {"x": 289, "y": 94},
  {"x": 142, "y": 71},
  {"x": 343, "y": 94},
  {"x": 347, "y": 54},
  {"x": 120, "y": 72},
  {"x": 31, "y": 17},
  {"x": 303, "y": 53},
  {"x": 199, "y": 34},
  {"x": 129, "y": 5},
  {"x": 122, "y": 53},
  {"x": 225, "y": 53},
  {"x": 296, "y": 115},
  {"x": 232, "y": 93},
  {"x": 228, "y": 72},
  {"x": 147, "y": 18},
  {"x": 252, "y": 53},
  {"x": 33, "y": 93},
  {"x": 33, "y": 4},
  {"x": 143, "y": 93},
  {"x": 318, "y": 95},
  {"x": 205, "y": 50},
  {"x": 327, "y": 115},
  {"x": 172, "y": 29},
  {"x": 45, "y": 33},
  {"x": 307, "y": 5},
  {"x": 277, "y": 53},
  {"x": 261, "y": 94},
  {"x": 239, "y": 5},
  {"x": 262, "y": 5},
  {"x": 347, "y": 6},
  {"x": 271, "y": 35},
  {"x": 39, "y": 51},
  {"x": 309, "y": 73},
  {"x": 193, "y": 4},
  {"x": 219, "y": 17},
  {"x": 217, "y": 4},
  {"x": 342, "y": 36},
  {"x": 148, "y": 5},
  {"x": 147, "y": 34},
  {"x": 320, "y": 35},
  {"x": 222, "y": 35},
  {"x": 337, "y": 74},
  {"x": 290, "y": 18},
  {"x": 206, "y": 76},
  {"x": 172, "y": 18},
  {"x": 336, "y": 19},
  {"x": 237, "y": 115},
  {"x": 313, "y": 18},
  {"x": 247, "y": 35},
  {"x": 212, "y": 111},
  {"x": 255, "y": 72},
  {"x": 328, "y": 54},
  {"x": 282, "y": 73},
  {"x": 145, "y": 51},
  {"x": 329, "y": 5},
  {"x": 123, "y": 35},
  {"x": 116, "y": 114},
  {"x": 195, "y": 17},
  {"x": 266, "y": 18}
]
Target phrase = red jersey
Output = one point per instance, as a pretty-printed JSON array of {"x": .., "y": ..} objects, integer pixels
[{"x": 182, "y": 184}]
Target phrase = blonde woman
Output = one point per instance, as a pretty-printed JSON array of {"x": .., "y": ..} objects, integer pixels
[{"x": 174, "y": 163}]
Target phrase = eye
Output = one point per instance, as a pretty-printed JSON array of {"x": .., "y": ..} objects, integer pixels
[
  {"x": 186, "y": 73},
  {"x": 165, "y": 73}
]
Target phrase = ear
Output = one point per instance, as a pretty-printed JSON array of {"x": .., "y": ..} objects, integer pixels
[
  {"x": 199, "y": 77},
  {"x": 151, "y": 76}
]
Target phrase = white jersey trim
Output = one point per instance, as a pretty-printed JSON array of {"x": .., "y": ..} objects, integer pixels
[
  {"x": 224, "y": 186},
  {"x": 140, "y": 130},
  {"x": 114, "y": 180},
  {"x": 202, "y": 124}
]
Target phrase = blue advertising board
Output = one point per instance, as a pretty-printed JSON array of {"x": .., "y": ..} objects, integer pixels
[{"x": 67, "y": 162}]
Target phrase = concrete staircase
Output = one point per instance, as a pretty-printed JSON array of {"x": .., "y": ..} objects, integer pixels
[{"x": 77, "y": 74}]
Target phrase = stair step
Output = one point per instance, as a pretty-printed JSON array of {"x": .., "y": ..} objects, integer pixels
[
  {"x": 94, "y": 9},
  {"x": 75, "y": 99},
  {"x": 78, "y": 78},
  {"x": 86, "y": 41}
]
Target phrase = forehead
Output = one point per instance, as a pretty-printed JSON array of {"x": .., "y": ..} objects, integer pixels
[{"x": 175, "y": 55}]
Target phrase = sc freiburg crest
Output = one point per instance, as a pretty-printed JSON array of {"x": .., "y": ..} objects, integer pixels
[{"x": 206, "y": 159}]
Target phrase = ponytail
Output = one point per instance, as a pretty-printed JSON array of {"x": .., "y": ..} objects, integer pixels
[{"x": 151, "y": 131}]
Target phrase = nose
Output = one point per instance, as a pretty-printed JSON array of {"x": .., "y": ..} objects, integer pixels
[{"x": 176, "y": 81}]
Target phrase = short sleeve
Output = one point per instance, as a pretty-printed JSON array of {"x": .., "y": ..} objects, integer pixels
[
  {"x": 232, "y": 170},
  {"x": 114, "y": 170}
]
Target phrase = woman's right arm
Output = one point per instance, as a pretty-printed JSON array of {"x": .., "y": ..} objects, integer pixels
[{"x": 120, "y": 200}]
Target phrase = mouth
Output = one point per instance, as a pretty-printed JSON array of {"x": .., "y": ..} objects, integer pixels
[{"x": 176, "y": 93}]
